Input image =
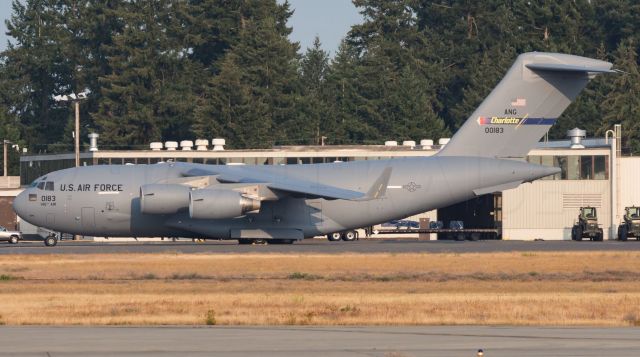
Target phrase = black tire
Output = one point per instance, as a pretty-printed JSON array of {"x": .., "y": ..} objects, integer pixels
[
  {"x": 573, "y": 233},
  {"x": 579, "y": 233},
  {"x": 245, "y": 241},
  {"x": 600, "y": 236},
  {"x": 349, "y": 236},
  {"x": 51, "y": 241},
  {"x": 623, "y": 233},
  {"x": 475, "y": 237},
  {"x": 334, "y": 237},
  {"x": 14, "y": 239},
  {"x": 460, "y": 237}
]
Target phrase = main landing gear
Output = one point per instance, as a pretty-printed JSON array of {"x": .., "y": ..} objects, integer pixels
[{"x": 347, "y": 236}]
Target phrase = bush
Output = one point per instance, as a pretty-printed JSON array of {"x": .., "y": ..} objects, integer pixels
[{"x": 210, "y": 318}]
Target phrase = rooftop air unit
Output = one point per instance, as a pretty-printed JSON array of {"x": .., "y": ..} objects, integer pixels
[
  {"x": 202, "y": 144},
  {"x": 93, "y": 141},
  {"x": 576, "y": 135},
  {"x": 186, "y": 145},
  {"x": 156, "y": 146},
  {"x": 171, "y": 145},
  {"x": 426, "y": 144},
  {"x": 218, "y": 144}
]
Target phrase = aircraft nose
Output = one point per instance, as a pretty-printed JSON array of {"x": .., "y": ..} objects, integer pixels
[{"x": 20, "y": 203}]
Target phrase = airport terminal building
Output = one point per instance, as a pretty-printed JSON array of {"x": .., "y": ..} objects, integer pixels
[{"x": 593, "y": 173}]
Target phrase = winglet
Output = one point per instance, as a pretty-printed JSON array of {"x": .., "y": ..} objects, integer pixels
[{"x": 379, "y": 187}]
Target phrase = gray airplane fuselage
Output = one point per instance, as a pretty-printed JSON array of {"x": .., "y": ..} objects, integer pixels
[{"x": 105, "y": 200}]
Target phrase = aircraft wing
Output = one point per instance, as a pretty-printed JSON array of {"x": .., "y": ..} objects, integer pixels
[{"x": 300, "y": 186}]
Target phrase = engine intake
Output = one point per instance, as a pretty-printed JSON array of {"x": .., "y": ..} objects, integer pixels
[
  {"x": 163, "y": 198},
  {"x": 220, "y": 204}
]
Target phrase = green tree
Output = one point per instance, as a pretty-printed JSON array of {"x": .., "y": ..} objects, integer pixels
[
  {"x": 255, "y": 95},
  {"x": 313, "y": 75},
  {"x": 622, "y": 102},
  {"x": 144, "y": 94}
]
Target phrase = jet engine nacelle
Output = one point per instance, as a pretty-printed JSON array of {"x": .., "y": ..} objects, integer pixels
[
  {"x": 220, "y": 204},
  {"x": 163, "y": 198}
]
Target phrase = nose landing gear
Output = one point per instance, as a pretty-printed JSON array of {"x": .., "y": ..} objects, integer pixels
[{"x": 51, "y": 240}]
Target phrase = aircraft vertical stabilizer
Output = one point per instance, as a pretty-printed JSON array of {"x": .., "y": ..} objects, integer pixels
[{"x": 526, "y": 103}]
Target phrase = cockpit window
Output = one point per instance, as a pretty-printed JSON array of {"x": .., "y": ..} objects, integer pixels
[
  {"x": 41, "y": 185},
  {"x": 49, "y": 186}
]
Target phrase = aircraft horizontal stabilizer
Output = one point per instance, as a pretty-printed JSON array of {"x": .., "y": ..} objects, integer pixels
[
  {"x": 558, "y": 67},
  {"x": 497, "y": 188}
]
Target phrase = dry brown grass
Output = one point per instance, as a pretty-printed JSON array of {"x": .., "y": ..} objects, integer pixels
[{"x": 351, "y": 289}]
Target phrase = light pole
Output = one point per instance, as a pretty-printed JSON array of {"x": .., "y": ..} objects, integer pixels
[
  {"x": 75, "y": 99},
  {"x": 5, "y": 156}
]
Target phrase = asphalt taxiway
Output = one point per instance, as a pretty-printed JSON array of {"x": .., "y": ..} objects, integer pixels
[
  {"x": 317, "y": 341},
  {"x": 317, "y": 246}
]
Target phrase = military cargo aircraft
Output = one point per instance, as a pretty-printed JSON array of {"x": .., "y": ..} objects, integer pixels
[{"x": 283, "y": 204}]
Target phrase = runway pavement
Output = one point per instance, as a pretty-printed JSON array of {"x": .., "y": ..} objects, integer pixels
[
  {"x": 317, "y": 246},
  {"x": 314, "y": 341}
]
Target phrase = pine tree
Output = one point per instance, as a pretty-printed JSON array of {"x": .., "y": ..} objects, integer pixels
[
  {"x": 622, "y": 103},
  {"x": 144, "y": 94},
  {"x": 314, "y": 107},
  {"x": 261, "y": 71}
]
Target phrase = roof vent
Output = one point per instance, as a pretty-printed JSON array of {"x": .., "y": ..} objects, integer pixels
[
  {"x": 409, "y": 143},
  {"x": 391, "y": 143},
  {"x": 186, "y": 145},
  {"x": 576, "y": 135},
  {"x": 156, "y": 146},
  {"x": 201, "y": 144},
  {"x": 426, "y": 144},
  {"x": 93, "y": 141},
  {"x": 218, "y": 144},
  {"x": 171, "y": 145}
]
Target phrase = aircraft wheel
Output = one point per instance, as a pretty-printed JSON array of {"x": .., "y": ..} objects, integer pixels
[
  {"x": 579, "y": 234},
  {"x": 51, "y": 241},
  {"x": 623, "y": 233},
  {"x": 349, "y": 236},
  {"x": 14, "y": 239},
  {"x": 334, "y": 237}
]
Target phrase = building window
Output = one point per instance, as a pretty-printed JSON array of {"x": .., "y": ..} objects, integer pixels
[{"x": 575, "y": 167}]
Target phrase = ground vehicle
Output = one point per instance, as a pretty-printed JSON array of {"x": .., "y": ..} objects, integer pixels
[
  {"x": 631, "y": 225},
  {"x": 401, "y": 223},
  {"x": 12, "y": 237},
  {"x": 587, "y": 225}
]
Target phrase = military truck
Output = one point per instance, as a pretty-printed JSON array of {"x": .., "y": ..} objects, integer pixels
[
  {"x": 630, "y": 227},
  {"x": 587, "y": 225}
]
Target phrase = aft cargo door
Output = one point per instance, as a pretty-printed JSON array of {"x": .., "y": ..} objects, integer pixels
[{"x": 88, "y": 218}]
